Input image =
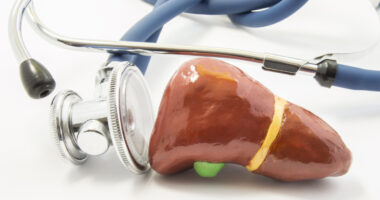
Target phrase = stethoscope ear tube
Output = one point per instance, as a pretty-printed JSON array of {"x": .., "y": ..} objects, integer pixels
[
  {"x": 39, "y": 83},
  {"x": 36, "y": 79}
]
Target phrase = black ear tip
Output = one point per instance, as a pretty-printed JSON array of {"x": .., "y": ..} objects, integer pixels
[
  {"x": 43, "y": 90},
  {"x": 36, "y": 79}
]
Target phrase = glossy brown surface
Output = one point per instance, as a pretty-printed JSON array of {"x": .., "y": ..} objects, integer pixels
[
  {"x": 306, "y": 148},
  {"x": 211, "y": 111}
]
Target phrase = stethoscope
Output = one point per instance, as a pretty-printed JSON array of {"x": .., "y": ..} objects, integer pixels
[{"x": 121, "y": 113}]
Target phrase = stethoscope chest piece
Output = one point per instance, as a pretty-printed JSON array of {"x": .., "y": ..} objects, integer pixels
[{"x": 121, "y": 116}]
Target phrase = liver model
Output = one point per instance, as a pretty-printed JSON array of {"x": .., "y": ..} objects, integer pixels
[{"x": 213, "y": 113}]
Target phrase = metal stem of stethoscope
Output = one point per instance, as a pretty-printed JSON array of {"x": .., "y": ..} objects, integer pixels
[{"x": 270, "y": 62}]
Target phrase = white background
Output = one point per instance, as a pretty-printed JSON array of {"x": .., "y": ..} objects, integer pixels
[{"x": 30, "y": 167}]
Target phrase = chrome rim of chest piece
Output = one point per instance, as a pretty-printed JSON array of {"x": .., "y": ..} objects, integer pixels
[{"x": 121, "y": 115}]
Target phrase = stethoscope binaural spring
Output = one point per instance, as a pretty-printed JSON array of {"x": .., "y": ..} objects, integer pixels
[{"x": 85, "y": 128}]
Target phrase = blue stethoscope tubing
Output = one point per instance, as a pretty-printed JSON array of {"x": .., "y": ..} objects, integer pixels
[
  {"x": 241, "y": 12},
  {"x": 356, "y": 78}
]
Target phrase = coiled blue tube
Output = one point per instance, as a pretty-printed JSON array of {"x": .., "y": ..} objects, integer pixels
[
  {"x": 272, "y": 15},
  {"x": 243, "y": 12},
  {"x": 148, "y": 28},
  {"x": 356, "y": 78}
]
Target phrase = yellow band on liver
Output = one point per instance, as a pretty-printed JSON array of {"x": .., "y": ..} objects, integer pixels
[{"x": 273, "y": 130}]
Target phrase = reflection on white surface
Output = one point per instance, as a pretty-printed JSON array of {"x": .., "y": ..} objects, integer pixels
[{"x": 235, "y": 182}]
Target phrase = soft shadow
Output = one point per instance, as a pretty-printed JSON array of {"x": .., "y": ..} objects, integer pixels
[
  {"x": 105, "y": 168},
  {"x": 235, "y": 180}
]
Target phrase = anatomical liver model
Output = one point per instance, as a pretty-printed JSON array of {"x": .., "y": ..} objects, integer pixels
[{"x": 212, "y": 113}]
